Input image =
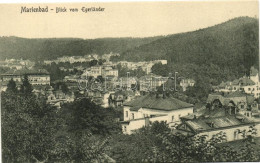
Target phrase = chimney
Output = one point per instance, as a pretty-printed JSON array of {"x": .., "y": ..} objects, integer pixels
[
  {"x": 212, "y": 124},
  {"x": 147, "y": 122}
]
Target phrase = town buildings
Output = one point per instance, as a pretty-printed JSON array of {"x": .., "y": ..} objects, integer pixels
[
  {"x": 72, "y": 59},
  {"x": 185, "y": 83},
  {"x": 16, "y": 64},
  {"x": 249, "y": 85},
  {"x": 118, "y": 98},
  {"x": 35, "y": 77},
  {"x": 151, "y": 82},
  {"x": 103, "y": 71},
  {"x": 145, "y": 66}
]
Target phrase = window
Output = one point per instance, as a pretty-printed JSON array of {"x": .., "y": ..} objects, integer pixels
[
  {"x": 242, "y": 106},
  {"x": 249, "y": 89},
  {"x": 126, "y": 114},
  {"x": 235, "y": 88},
  {"x": 235, "y": 135},
  {"x": 133, "y": 116},
  {"x": 125, "y": 128}
]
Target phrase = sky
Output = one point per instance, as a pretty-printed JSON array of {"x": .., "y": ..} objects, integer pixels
[{"x": 120, "y": 19}]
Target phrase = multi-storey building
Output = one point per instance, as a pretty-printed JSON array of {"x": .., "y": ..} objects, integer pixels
[
  {"x": 141, "y": 111},
  {"x": 151, "y": 82},
  {"x": 35, "y": 77}
]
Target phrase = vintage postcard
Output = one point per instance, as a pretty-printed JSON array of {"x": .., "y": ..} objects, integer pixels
[{"x": 130, "y": 82}]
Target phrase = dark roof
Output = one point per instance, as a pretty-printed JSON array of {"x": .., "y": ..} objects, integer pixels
[
  {"x": 246, "y": 81},
  {"x": 159, "y": 103},
  {"x": 216, "y": 123},
  {"x": 134, "y": 108},
  {"x": 225, "y": 99},
  {"x": 243, "y": 81},
  {"x": 235, "y": 82},
  {"x": 26, "y": 71},
  {"x": 236, "y": 94}
]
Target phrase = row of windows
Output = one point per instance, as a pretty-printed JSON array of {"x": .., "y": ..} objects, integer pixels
[
  {"x": 249, "y": 89},
  {"x": 146, "y": 115}
]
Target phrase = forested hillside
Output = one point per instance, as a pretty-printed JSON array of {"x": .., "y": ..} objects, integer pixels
[
  {"x": 232, "y": 42},
  {"x": 211, "y": 55},
  {"x": 222, "y": 52},
  {"x": 40, "y": 49}
]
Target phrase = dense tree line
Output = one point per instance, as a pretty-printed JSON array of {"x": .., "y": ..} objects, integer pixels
[
  {"x": 34, "y": 131},
  {"x": 158, "y": 144},
  {"x": 52, "y": 48}
]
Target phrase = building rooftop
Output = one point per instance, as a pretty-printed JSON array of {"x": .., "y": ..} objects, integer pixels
[
  {"x": 226, "y": 98},
  {"x": 217, "y": 123},
  {"x": 26, "y": 71},
  {"x": 158, "y": 103},
  {"x": 243, "y": 81}
]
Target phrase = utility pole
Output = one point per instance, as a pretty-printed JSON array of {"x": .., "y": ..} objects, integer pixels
[
  {"x": 127, "y": 82},
  {"x": 175, "y": 81}
]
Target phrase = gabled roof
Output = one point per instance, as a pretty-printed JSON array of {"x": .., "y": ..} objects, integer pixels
[
  {"x": 236, "y": 97},
  {"x": 246, "y": 81},
  {"x": 235, "y": 82},
  {"x": 158, "y": 103}
]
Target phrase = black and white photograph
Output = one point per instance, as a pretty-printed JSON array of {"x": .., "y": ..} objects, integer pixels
[{"x": 130, "y": 82}]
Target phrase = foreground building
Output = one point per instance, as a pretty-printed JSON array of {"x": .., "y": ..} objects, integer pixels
[
  {"x": 236, "y": 115},
  {"x": 144, "y": 110}
]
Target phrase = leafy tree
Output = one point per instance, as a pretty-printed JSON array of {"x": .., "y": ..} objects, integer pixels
[
  {"x": 29, "y": 127},
  {"x": 160, "y": 69},
  {"x": 61, "y": 86},
  {"x": 11, "y": 86},
  {"x": 26, "y": 87},
  {"x": 93, "y": 63}
]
